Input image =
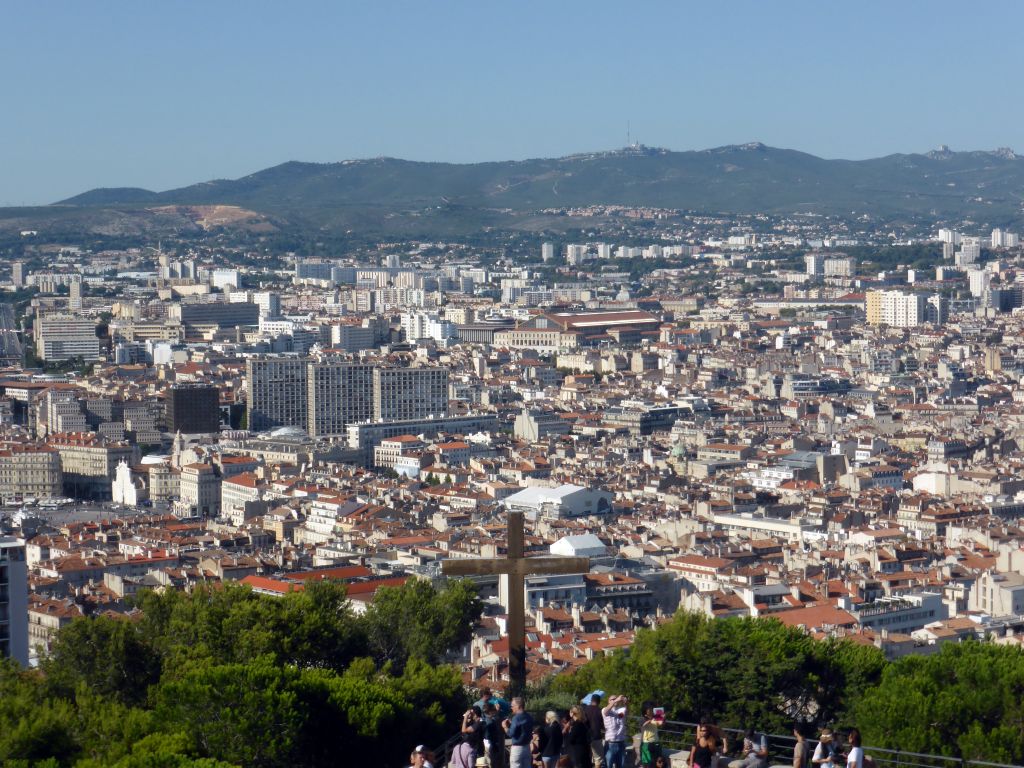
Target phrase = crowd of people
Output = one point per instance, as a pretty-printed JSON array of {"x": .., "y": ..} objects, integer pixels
[{"x": 496, "y": 733}]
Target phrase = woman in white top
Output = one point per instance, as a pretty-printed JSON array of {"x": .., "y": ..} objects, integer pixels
[{"x": 855, "y": 759}]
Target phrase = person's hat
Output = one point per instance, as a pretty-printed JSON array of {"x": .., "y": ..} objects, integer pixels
[{"x": 422, "y": 750}]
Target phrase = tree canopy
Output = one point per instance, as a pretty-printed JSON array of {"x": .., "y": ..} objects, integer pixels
[{"x": 225, "y": 677}]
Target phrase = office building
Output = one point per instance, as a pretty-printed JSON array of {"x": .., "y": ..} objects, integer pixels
[
  {"x": 61, "y": 337},
  {"x": 220, "y": 314},
  {"x": 276, "y": 392},
  {"x": 339, "y": 393},
  {"x": 193, "y": 408},
  {"x": 13, "y": 600},
  {"x": 409, "y": 393},
  {"x": 352, "y": 338}
]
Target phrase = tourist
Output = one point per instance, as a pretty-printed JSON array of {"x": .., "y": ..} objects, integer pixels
[
  {"x": 595, "y": 722},
  {"x": 614, "y": 715},
  {"x": 462, "y": 756},
  {"x": 801, "y": 750},
  {"x": 421, "y": 758},
  {"x": 494, "y": 736},
  {"x": 519, "y": 729},
  {"x": 473, "y": 730},
  {"x": 551, "y": 743},
  {"x": 705, "y": 730},
  {"x": 855, "y": 758},
  {"x": 661, "y": 762},
  {"x": 537, "y": 747},
  {"x": 755, "y": 751},
  {"x": 705, "y": 752},
  {"x": 825, "y": 752},
  {"x": 487, "y": 695},
  {"x": 578, "y": 738},
  {"x": 650, "y": 747}
]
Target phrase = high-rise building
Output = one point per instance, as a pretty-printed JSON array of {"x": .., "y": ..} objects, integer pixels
[
  {"x": 575, "y": 254},
  {"x": 409, "y": 393},
  {"x": 339, "y": 393},
  {"x": 969, "y": 253},
  {"x": 65, "y": 337},
  {"x": 897, "y": 309},
  {"x": 352, "y": 338},
  {"x": 221, "y": 314},
  {"x": 937, "y": 311},
  {"x": 193, "y": 409},
  {"x": 18, "y": 274},
  {"x": 840, "y": 266},
  {"x": 814, "y": 264},
  {"x": 75, "y": 295},
  {"x": 979, "y": 281},
  {"x": 13, "y": 600},
  {"x": 393, "y": 261},
  {"x": 313, "y": 270},
  {"x": 269, "y": 304},
  {"x": 64, "y": 412},
  {"x": 276, "y": 392},
  {"x": 547, "y": 251}
]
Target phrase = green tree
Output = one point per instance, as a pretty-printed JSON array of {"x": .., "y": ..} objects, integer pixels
[
  {"x": 419, "y": 621},
  {"x": 241, "y": 713},
  {"x": 106, "y": 654},
  {"x": 965, "y": 701}
]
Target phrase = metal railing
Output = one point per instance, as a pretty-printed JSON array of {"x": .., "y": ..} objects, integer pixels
[{"x": 678, "y": 735}]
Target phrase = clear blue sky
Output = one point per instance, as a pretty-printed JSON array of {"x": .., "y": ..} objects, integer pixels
[{"x": 163, "y": 94}]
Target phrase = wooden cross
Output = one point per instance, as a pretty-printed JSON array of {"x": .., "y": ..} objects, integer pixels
[{"x": 517, "y": 567}]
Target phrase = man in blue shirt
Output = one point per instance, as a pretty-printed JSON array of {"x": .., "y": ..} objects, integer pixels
[{"x": 520, "y": 731}]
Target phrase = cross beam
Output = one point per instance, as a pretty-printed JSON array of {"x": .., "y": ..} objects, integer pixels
[{"x": 517, "y": 567}]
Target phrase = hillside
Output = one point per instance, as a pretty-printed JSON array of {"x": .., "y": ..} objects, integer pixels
[{"x": 739, "y": 178}]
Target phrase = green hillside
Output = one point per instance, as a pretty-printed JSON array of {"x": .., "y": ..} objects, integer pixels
[{"x": 743, "y": 178}]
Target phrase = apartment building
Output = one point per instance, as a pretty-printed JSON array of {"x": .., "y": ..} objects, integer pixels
[
  {"x": 30, "y": 470},
  {"x": 61, "y": 337},
  {"x": 409, "y": 393},
  {"x": 276, "y": 390},
  {"x": 13, "y": 600},
  {"x": 339, "y": 393}
]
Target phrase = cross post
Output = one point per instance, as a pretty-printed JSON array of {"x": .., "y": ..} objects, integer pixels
[{"x": 517, "y": 567}]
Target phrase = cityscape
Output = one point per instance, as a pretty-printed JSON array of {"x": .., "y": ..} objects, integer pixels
[{"x": 383, "y": 462}]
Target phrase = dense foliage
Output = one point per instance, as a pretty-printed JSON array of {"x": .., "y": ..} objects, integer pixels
[
  {"x": 224, "y": 677},
  {"x": 964, "y": 701}
]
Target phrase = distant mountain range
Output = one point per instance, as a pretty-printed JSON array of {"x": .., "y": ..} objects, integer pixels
[{"x": 988, "y": 185}]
